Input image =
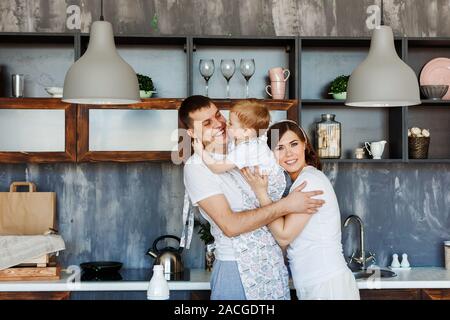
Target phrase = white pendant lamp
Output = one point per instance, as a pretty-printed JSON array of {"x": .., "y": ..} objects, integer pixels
[
  {"x": 101, "y": 76},
  {"x": 382, "y": 79}
]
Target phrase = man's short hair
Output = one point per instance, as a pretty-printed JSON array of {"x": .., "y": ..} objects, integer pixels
[{"x": 189, "y": 105}]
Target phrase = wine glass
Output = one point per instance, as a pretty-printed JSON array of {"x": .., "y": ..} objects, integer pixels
[
  {"x": 228, "y": 66},
  {"x": 247, "y": 69},
  {"x": 206, "y": 67}
]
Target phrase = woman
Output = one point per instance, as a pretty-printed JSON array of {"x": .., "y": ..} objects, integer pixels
[{"x": 314, "y": 247}]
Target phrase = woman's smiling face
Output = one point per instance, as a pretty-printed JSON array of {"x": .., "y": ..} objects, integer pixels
[{"x": 290, "y": 153}]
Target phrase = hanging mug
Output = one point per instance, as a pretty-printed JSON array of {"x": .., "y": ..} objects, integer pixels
[
  {"x": 279, "y": 74},
  {"x": 276, "y": 89}
]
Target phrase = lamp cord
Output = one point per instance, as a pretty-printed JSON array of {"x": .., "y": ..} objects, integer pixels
[
  {"x": 382, "y": 13},
  {"x": 101, "y": 11}
]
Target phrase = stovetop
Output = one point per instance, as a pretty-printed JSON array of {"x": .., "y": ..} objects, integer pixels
[{"x": 132, "y": 275}]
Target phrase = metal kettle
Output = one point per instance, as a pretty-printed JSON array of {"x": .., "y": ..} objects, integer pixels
[{"x": 169, "y": 257}]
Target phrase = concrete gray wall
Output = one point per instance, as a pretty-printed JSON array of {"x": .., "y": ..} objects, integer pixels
[
  {"x": 114, "y": 211},
  {"x": 236, "y": 17}
]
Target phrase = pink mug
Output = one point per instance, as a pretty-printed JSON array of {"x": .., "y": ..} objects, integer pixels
[
  {"x": 277, "y": 89},
  {"x": 279, "y": 74}
]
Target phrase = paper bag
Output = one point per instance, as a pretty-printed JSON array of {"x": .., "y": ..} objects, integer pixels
[{"x": 26, "y": 213}]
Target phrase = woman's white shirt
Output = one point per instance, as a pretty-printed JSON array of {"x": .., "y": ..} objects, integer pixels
[{"x": 316, "y": 254}]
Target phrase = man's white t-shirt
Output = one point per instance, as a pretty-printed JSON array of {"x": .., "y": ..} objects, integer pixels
[{"x": 202, "y": 183}]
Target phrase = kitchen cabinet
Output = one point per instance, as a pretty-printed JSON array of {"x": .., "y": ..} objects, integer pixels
[
  {"x": 37, "y": 130},
  {"x": 140, "y": 132},
  {"x": 64, "y": 295},
  {"x": 436, "y": 294},
  {"x": 147, "y": 131},
  {"x": 172, "y": 63},
  {"x": 390, "y": 294},
  {"x": 40, "y": 130},
  {"x": 405, "y": 294},
  {"x": 371, "y": 294}
]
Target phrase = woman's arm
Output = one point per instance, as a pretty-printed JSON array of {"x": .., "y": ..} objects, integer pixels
[{"x": 284, "y": 229}]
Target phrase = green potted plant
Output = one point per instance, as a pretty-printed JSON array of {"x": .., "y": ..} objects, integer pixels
[
  {"x": 338, "y": 87},
  {"x": 205, "y": 233},
  {"x": 206, "y": 236},
  {"x": 146, "y": 88}
]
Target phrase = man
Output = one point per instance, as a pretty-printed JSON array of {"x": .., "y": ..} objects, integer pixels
[{"x": 249, "y": 264}]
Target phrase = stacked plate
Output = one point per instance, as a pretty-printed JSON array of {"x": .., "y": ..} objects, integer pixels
[{"x": 435, "y": 79}]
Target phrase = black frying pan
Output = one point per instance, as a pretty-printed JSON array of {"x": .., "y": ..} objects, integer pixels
[{"x": 101, "y": 266}]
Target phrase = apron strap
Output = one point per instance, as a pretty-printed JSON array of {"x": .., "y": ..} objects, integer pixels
[{"x": 188, "y": 222}]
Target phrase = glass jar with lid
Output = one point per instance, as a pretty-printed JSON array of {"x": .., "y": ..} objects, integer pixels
[{"x": 328, "y": 137}]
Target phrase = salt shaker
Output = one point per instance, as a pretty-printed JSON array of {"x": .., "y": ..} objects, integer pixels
[
  {"x": 158, "y": 288},
  {"x": 395, "y": 263},
  {"x": 405, "y": 262}
]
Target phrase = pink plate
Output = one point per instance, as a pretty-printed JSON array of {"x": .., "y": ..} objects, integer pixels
[{"x": 435, "y": 72}]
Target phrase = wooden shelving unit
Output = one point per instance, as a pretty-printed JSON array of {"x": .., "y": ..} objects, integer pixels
[{"x": 172, "y": 62}]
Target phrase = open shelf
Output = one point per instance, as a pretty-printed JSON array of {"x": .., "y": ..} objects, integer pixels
[
  {"x": 429, "y": 160},
  {"x": 359, "y": 125},
  {"x": 436, "y": 102},
  {"x": 361, "y": 160},
  {"x": 321, "y": 102},
  {"x": 267, "y": 53},
  {"x": 323, "y": 59},
  {"x": 435, "y": 118},
  {"x": 164, "y": 59},
  {"x": 422, "y": 50},
  {"x": 43, "y": 58},
  {"x": 172, "y": 62}
]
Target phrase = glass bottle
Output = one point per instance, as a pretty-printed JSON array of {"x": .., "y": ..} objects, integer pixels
[
  {"x": 328, "y": 137},
  {"x": 158, "y": 288}
]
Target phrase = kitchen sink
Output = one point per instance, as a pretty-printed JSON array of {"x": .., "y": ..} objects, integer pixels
[{"x": 367, "y": 273}]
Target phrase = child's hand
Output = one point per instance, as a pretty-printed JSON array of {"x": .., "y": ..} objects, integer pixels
[
  {"x": 198, "y": 146},
  {"x": 256, "y": 180}
]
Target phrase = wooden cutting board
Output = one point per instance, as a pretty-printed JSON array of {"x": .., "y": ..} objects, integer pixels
[{"x": 30, "y": 274}]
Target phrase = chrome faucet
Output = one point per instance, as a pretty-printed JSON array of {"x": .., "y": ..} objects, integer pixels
[{"x": 362, "y": 260}]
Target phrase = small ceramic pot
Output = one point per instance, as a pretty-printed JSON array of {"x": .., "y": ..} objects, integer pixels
[
  {"x": 145, "y": 94},
  {"x": 340, "y": 96}
]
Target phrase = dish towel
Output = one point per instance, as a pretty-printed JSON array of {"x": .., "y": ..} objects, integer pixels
[{"x": 15, "y": 250}]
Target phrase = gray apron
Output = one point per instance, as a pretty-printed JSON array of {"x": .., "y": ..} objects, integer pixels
[{"x": 260, "y": 260}]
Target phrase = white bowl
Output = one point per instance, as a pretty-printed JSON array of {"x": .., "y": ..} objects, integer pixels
[{"x": 56, "y": 92}]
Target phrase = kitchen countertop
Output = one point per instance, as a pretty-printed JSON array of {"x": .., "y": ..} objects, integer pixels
[{"x": 424, "y": 277}]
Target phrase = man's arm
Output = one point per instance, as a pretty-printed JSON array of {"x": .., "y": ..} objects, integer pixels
[
  {"x": 287, "y": 228},
  {"x": 233, "y": 224}
]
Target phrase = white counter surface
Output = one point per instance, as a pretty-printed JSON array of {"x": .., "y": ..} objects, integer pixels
[{"x": 199, "y": 280}]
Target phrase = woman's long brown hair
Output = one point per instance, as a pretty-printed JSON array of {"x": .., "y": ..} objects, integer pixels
[{"x": 276, "y": 132}]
